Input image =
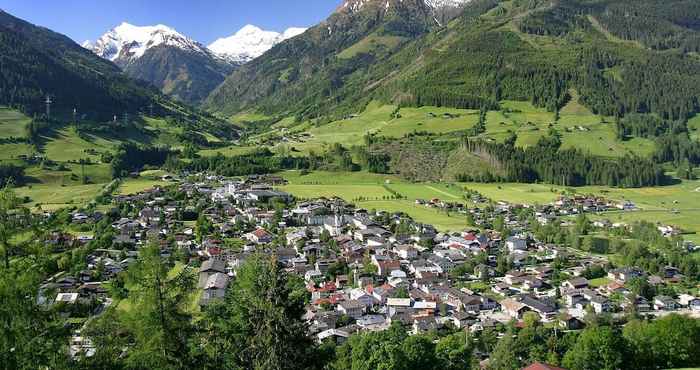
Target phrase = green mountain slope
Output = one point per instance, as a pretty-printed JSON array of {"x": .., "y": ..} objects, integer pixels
[
  {"x": 185, "y": 75},
  {"x": 621, "y": 56},
  {"x": 301, "y": 72},
  {"x": 36, "y": 62}
]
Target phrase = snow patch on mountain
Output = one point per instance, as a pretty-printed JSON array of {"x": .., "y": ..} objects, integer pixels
[
  {"x": 437, "y": 4},
  {"x": 250, "y": 42},
  {"x": 354, "y": 6},
  {"x": 126, "y": 42}
]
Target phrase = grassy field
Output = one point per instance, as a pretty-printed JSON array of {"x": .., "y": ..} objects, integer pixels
[
  {"x": 12, "y": 123},
  {"x": 51, "y": 197},
  {"x": 677, "y": 205},
  {"x": 370, "y": 187},
  {"x": 133, "y": 186},
  {"x": 579, "y": 127},
  {"x": 599, "y": 282},
  {"x": 442, "y": 221},
  {"x": 227, "y": 151},
  {"x": 370, "y": 43},
  {"x": 65, "y": 145},
  {"x": 694, "y": 127},
  {"x": 430, "y": 119},
  {"x": 12, "y": 151},
  {"x": 350, "y": 131},
  {"x": 517, "y": 193}
]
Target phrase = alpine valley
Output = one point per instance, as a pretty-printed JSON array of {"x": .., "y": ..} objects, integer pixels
[
  {"x": 405, "y": 184},
  {"x": 177, "y": 65}
]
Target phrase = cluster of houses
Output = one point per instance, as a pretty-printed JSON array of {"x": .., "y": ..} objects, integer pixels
[{"x": 365, "y": 270}]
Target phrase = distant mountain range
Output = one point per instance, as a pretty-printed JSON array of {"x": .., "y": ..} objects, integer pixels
[
  {"x": 178, "y": 65},
  {"x": 250, "y": 42},
  {"x": 613, "y": 56}
]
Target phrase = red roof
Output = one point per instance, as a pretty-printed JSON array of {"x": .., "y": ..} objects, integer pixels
[
  {"x": 541, "y": 366},
  {"x": 260, "y": 233}
]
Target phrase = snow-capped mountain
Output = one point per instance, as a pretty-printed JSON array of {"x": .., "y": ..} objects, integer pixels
[
  {"x": 126, "y": 43},
  {"x": 176, "y": 64},
  {"x": 250, "y": 42}
]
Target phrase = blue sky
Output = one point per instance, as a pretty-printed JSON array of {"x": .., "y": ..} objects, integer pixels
[{"x": 203, "y": 20}]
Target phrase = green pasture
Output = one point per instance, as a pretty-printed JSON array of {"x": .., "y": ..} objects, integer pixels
[
  {"x": 441, "y": 220},
  {"x": 134, "y": 186},
  {"x": 51, "y": 197},
  {"x": 677, "y": 205},
  {"x": 12, "y": 123},
  {"x": 228, "y": 151},
  {"x": 371, "y": 43},
  {"x": 579, "y": 127}
]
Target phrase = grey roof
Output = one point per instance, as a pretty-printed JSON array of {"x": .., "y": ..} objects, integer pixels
[
  {"x": 537, "y": 304},
  {"x": 213, "y": 265},
  {"x": 217, "y": 281}
]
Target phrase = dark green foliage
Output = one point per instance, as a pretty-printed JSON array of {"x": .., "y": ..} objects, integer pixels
[
  {"x": 131, "y": 157},
  {"x": 11, "y": 174},
  {"x": 159, "y": 328},
  {"x": 31, "y": 335},
  {"x": 35, "y": 62},
  {"x": 670, "y": 342},
  {"x": 185, "y": 75},
  {"x": 599, "y": 348},
  {"x": 391, "y": 349},
  {"x": 594, "y": 272},
  {"x": 259, "y": 325},
  {"x": 677, "y": 149},
  {"x": 261, "y": 161},
  {"x": 546, "y": 162},
  {"x": 659, "y": 25},
  {"x": 645, "y": 125}
]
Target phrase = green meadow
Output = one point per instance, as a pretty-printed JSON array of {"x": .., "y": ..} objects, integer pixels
[
  {"x": 12, "y": 123},
  {"x": 369, "y": 191},
  {"x": 61, "y": 184},
  {"x": 677, "y": 205},
  {"x": 579, "y": 127}
]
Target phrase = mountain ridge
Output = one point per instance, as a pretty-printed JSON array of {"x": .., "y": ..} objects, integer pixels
[
  {"x": 289, "y": 70},
  {"x": 532, "y": 50},
  {"x": 178, "y": 65}
]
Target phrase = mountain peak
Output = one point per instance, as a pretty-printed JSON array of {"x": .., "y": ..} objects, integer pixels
[
  {"x": 249, "y": 29},
  {"x": 127, "y": 42},
  {"x": 250, "y": 42}
]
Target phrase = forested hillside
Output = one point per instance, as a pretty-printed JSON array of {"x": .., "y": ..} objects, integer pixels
[
  {"x": 302, "y": 72},
  {"x": 36, "y": 62},
  {"x": 183, "y": 74},
  {"x": 621, "y": 56}
]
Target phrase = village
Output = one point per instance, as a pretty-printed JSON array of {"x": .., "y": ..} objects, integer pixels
[{"x": 363, "y": 269}]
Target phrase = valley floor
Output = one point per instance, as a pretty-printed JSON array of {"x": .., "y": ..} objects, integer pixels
[{"x": 677, "y": 205}]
